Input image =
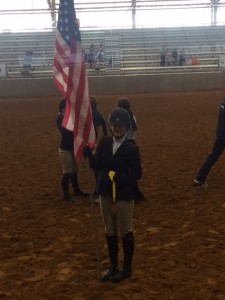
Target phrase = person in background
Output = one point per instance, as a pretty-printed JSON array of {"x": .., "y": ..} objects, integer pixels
[
  {"x": 66, "y": 153},
  {"x": 120, "y": 158},
  {"x": 174, "y": 57},
  {"x": 100, "y": 57},
  {"x": 162, "y": 56},
  {"x": 27, "y": 63},
  {"x": 100, "y": 131},
  {"x": 182, "y": 58},
  {"x": 98, "y": 122},
  {"x": 217, "y": 150},
  {"x": 91, "y": 56},
  {"x": 125, "y": 104}
]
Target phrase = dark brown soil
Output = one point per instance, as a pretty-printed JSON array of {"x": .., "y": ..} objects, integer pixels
[{"x": 48, "y": 246}]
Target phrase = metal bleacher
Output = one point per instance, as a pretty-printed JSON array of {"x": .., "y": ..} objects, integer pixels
[
  {"x": 140, "y": 48},
  {"x": 127, "y": 51}
]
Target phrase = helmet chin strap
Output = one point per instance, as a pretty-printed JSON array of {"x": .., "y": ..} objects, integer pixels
[{"x": 118, "y": 137}]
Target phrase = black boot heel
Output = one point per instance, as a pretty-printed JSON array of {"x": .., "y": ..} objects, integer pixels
[
  {"x": 121, "y": 275},
  {"x": 111, "y": 271}
]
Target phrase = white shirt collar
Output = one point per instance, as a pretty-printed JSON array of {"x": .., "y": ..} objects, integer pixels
[{"x": 117, "y": 143}]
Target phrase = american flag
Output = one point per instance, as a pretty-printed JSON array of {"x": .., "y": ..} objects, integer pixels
[{"x": 69, "y": 75}]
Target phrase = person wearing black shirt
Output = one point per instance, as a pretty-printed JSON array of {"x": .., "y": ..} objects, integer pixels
[
  {"x": 217, "y": 150},
  {"x": 100, "y": 131},
  {"x": 98, "y": 122},
  {"x": 118, "y": 157},
  {"x": 66, "y": 153}
]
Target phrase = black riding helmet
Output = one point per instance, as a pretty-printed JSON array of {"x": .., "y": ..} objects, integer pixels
[
  {"x": 123, "y": 103},
  {"x": 119, "y": 116}
]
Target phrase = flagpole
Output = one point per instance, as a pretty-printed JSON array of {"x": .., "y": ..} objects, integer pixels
[{"x": 94, "y": 225}]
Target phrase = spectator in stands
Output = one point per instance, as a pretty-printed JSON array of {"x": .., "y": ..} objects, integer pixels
[
  {"x": 101, "y": 53},
  {"x": 125, "y": 104},
  {"x": 66, "y": 153},
  {"x": 162, "y": 56},
  {"x": 174, "y": 57},
  {"x": 91, "y": 56},
  {"x": 182, "y": 58},
  {"x": 110, "y": 61},
  {"x": 27, "y": 63},
  {"x": 100, "y": 57},
  {"x": 217, "y": 150}
]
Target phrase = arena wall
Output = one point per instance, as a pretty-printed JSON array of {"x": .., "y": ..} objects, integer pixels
[{"x": 30, "y": 87}]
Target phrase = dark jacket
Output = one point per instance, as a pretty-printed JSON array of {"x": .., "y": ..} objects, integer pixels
[
  {"x": 125, "y": 163},
  {"x": 67, "y": 136},
  {"x": 220, "y": 131}
]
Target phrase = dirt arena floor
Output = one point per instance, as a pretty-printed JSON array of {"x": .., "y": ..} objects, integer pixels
[{"x": 48, "y": 246}]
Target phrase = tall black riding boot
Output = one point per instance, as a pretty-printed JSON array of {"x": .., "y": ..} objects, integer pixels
[
  {"x": 112, "y": 242},
  {"x": 65, "y": 186},
  {"x": 74, "y": 182},
  {"x": 128, "y": 251}
]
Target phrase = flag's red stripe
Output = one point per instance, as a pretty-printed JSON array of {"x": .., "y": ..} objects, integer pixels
[
  {"x": 60, "y": 71},
  {"x": 70, "y": 77}
]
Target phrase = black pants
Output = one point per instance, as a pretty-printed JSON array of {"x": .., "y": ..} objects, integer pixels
[{"x": 212, "y": 158}]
